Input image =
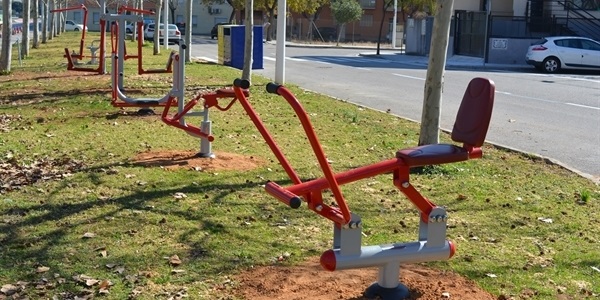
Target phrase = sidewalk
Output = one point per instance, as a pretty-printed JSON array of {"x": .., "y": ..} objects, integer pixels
[{"x": 454, "y": 61}]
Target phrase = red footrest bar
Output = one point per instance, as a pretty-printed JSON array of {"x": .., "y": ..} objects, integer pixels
[
  {"x": 176, "y": 120},
  {"x": 283, "y": 195}
]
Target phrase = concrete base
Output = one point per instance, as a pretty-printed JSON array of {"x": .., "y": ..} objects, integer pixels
[
  {"x": 398, "y": 293},
  {"x": 206, "y": 155}
]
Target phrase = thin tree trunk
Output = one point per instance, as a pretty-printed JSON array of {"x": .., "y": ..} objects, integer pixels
[
  {"x": 188, "y": 31},
  {"x": 25, "y": 42},
  {"x": 6, "y": 51},
  {"x": 158, "y": 9},
  {"x": 434, "y": 82},
  {"x": 59, "y": 18},
  {"x": 45, "y": 15},
  {"x": 36, "y": 25},
  {"x": 52, "y": 18}
]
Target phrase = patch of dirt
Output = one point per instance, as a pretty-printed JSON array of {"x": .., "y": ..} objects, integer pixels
[
  {"x": 172, "y": 160},
  {"x": 310, "y": 282}
]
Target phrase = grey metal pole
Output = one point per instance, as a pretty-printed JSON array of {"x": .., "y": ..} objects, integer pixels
[
  {"x": 395, "y": 20},
  {"x": 280, "y": 46},
  {"x": 166, "y": 22}
]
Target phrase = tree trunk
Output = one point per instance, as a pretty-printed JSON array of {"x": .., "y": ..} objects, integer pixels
[
  {"x": 270, "y": 32},
  {"x": 36, "y": 25},
  {"x": 249, "y": 26},
  {"x": 60, "y": 18},
  {"x": 156, "y": 38},
  {"x": 45, "y": 21},
  {"x": 25, "y": 42},
  {"x": 52, "y": 20},
  {"x": 188, "y": 31},
  {"x": 434, "y": 82},
  {"x": 5, "y": 53}
]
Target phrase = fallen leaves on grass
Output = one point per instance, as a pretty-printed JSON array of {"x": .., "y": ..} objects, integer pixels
[
  {"x": 88, "y": 235},
  {"x": 15, "y": 174},
  {"x": 174, "y": 260}
]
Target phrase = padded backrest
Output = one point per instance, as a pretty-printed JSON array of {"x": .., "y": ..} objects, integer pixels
[{"x": 474, "y": 114}]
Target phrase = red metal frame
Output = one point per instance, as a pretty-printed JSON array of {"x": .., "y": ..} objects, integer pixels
[
  {"x": 70, "y": 57},
  {"x": 312, "y": 190},
  {"x": 210, "y": 100},
  {"x": 115, "y": 102},
  {"x": 82, "y": 41},
  {"x": 140, "y": 41}
]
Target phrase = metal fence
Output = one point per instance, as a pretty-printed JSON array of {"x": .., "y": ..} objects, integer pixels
[{"x": 526, "y": 28}]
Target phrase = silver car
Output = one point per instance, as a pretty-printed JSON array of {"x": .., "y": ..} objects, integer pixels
[
  {"x": 174, "y": 33},
  {"x": 552, "y": 54}
]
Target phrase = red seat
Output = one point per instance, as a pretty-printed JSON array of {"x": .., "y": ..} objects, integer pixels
[{"x": 470, "y": 128}]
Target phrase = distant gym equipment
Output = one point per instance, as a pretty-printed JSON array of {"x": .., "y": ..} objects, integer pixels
[
  {"x": 470, "y": 129},
  {"x": 119, "y": 99},
  {"x": 139, "y": 21},
  {"x": 74, "y": 58},
  {"x": 208, "y": 100}
]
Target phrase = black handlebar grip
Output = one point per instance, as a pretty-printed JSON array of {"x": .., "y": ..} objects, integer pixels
[
  {"x": 295, "y": 202},
  {"x": 241, "y": 83},
  {"x": 272, "y": 87}
]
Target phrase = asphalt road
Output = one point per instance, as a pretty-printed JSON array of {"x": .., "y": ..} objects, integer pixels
[{"x": 555, "y": 116}]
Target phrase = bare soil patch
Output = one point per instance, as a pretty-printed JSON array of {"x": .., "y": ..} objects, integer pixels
[
  {"x": 309, "y": 280},
  {"x": 173, "y": 159}
]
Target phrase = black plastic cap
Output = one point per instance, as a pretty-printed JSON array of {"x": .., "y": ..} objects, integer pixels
[
  {"x": 272, "y": 87},
  {"x": 295, "y": 202},
  {"x": 242, "y": 83}
]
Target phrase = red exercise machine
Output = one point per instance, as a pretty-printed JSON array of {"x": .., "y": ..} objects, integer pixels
[
  {"x": 73, "y": 57},
  {"x": 204, "y": 131},
  {"x": 470, "y": 129},
  {"x": 119, "y": 99}
]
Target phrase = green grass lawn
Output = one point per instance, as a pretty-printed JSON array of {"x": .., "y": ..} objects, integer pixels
[{"x": 78, "y": 217}]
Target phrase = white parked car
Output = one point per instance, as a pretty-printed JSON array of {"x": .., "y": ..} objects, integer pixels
[
  {"x": 72, "y": 26},
  {"x": 552, "y": 54},
  {"x": 174, "y": 33}
]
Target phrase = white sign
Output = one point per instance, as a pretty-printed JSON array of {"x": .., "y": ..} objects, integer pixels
[{"x": 499, "y": 44}]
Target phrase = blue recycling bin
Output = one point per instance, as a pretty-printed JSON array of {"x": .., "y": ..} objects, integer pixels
[{"x": 237, "y": 36}]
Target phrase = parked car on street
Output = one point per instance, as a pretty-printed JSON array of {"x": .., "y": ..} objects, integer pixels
[
  {"x": 174, "y": 33},
  {"x": 215, "y": 30},
  {"x": 72, "y": 26},
  {"x": 551, "y": 54},
  {"x": 130, "y": 26}
]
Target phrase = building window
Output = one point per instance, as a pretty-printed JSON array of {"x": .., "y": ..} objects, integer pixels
[
  {"x": 194, "y": 21},
  {"x": 367, "y": 4},
  {"x": 77, "y": 17},
  {"x": 96, "y": 18},
  {"x": 366, "y": 21},
  {"x": 179, "y": 19}
]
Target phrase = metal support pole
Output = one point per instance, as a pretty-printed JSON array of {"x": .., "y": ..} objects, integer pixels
[
  {"x": 106, "y": 24},
  {"x": 166, "y": 22},
  {"x": 280, "y": 47},
  {"x": 205, "y": 144},
  {"x": 395, "y": 23}
]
